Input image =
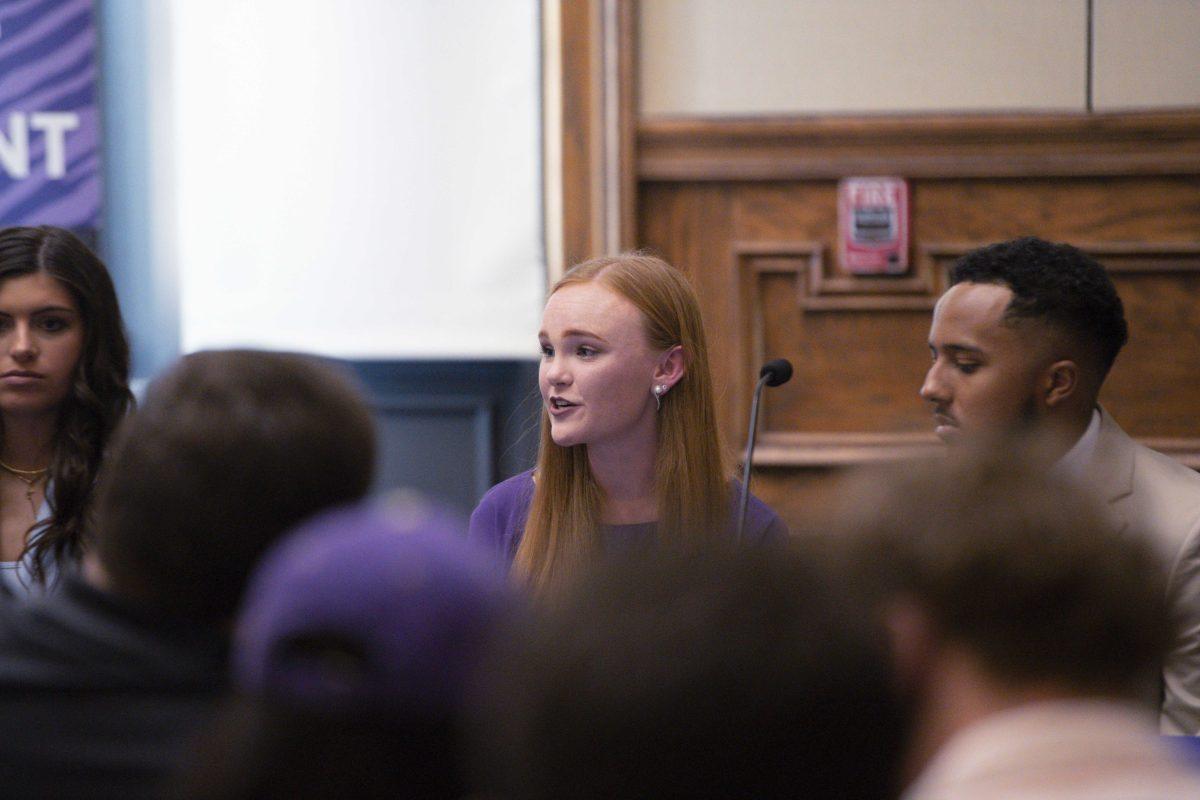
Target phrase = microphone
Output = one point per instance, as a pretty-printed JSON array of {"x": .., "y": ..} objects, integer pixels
[{"x": 775, "y": 372}]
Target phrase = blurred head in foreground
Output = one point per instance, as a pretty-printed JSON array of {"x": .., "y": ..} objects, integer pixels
[
  {"x": 353, "y": 654},
  {"x": 723, "y": 673},
  {"x": 1001, "y": 586},
  {"x": 229, "y": 450}
]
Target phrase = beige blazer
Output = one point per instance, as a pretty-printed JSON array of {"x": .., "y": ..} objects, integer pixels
[
  {"x": 1067, "y": 750},
  {"x": 1148, "y": 491}
]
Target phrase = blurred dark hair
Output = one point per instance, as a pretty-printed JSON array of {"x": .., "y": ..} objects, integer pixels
[
  {"x": 1020, "y": 568},
  {"x": 229, "y": 450},
  {"x": 715, "y": 674},
  {"x": 99, "y": 395},
  {"x": 257, "y": 749},
  {"x": 1057, "y": 283}
]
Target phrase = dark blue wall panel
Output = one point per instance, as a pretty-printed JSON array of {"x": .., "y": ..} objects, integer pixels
[{"x": 451, "y": 429}]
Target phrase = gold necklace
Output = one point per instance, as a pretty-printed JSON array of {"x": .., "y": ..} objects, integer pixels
[{"x": 29, "y": 477}]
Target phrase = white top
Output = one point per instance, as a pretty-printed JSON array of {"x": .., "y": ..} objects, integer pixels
[{"x": 16, "y": 577}]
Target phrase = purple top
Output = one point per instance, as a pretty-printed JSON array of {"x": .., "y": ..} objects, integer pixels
[{"x": 499, "y": 520}]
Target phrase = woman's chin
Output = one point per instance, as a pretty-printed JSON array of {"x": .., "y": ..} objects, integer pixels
[{"x": 563, "y": 437}]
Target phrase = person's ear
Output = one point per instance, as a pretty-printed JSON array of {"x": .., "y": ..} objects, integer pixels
[
  {"x": 671, "y": 367},
  {"x": 1061, "y": 382}
]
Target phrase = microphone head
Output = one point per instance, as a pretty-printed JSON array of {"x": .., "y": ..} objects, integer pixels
[{"x": 777, "y": 371}]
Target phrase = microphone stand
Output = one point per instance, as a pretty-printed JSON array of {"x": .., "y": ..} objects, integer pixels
[{"x": 745, "y": 499}]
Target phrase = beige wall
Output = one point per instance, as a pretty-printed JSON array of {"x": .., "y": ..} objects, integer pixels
[
  {"x": 1147, "y": 54},
  {"x": 755, "y": 57}
]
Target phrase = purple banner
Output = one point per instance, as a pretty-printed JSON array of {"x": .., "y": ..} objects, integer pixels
[{"x": 49, "y": 121}]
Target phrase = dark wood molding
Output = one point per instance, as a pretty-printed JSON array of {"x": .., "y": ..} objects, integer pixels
[
  {"x": 820, "y": 288},
  {"x": 807, "y": 450},
  {"x": 597, "y": 62},
  {"x": 1123, "y": 258},
  {"x": 920, "y": 146},
  {"x": 622, "y": 37},
  {"x": 581, "y": 191},
  {"x": 826, "y": 450},
  {"x": 805, "y": 262}
]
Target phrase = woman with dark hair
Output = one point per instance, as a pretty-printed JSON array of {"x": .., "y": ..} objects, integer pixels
[{"x": 64, "y": 370}]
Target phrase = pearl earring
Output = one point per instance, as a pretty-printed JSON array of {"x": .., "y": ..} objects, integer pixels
[{"x": 659, "y": 391}]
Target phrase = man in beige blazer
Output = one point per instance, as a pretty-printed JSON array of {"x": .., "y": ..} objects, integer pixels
[{"x": 1023, "y": 339}]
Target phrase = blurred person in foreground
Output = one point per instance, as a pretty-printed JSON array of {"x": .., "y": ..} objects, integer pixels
[
  {"x": 1022, "y": 341},
  {"x": 103, "y": 683},
  {"x": 1026, "y": 632},
  {"x": 709, "y": 674},
  {"x": 353, "y": 653}
]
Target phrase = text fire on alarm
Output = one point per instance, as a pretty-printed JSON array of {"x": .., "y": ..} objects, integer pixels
[{"x": 873, "y": 225}]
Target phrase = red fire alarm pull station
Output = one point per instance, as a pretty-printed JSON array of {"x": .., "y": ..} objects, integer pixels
[{"x": 873, "y": 225}]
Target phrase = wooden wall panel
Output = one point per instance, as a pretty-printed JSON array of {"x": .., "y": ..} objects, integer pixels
[
  {"x": 763, "y": 256},
  {"x": 1097, "y": 209},
  {"x": 692, "y": 229},
  {"x": 1154, "y": 385},
  {"x": 923, "y": 146},
  {"x": 595, "y": 61},
  {"x": 839, "y": 386},
  {"x": 748, "y": 208}
]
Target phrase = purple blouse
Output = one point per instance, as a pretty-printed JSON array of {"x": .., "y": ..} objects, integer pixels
[{"x": 499, "y": 520}]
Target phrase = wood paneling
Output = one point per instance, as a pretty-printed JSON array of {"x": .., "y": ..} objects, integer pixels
[
  {"x": 699, "y": 225},
  {"x": 763, "y": 257},
  {"x": 597, "y": 62},
  {"x": 749, "y": 209},
  {"x": 975, "y": 146}
]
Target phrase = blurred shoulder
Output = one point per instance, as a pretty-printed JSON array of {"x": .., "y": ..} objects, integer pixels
[{"x": 499, "y": 519}]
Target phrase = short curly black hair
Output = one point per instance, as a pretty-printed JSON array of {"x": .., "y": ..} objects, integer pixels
[{"x": 1057, "y": 283}]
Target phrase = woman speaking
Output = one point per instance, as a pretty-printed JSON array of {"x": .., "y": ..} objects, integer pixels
[{"x": 629, "y": 449}]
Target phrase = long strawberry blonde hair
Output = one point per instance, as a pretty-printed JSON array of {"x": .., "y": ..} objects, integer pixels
[{"x": 694, "y": 495}]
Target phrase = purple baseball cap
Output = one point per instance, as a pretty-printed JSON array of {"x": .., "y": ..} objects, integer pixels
[{"x": 381, "y": 607}]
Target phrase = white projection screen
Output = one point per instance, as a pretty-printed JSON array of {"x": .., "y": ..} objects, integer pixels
[{"x": 355, "y": 178}]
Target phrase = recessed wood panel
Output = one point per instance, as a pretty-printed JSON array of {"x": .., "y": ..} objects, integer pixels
[
  {"x": 1154, "y": 384},
  {"x": 763, "y": 255},
  {"x": 846, "y": 379},
  {"x": 856, "y": 372}
]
